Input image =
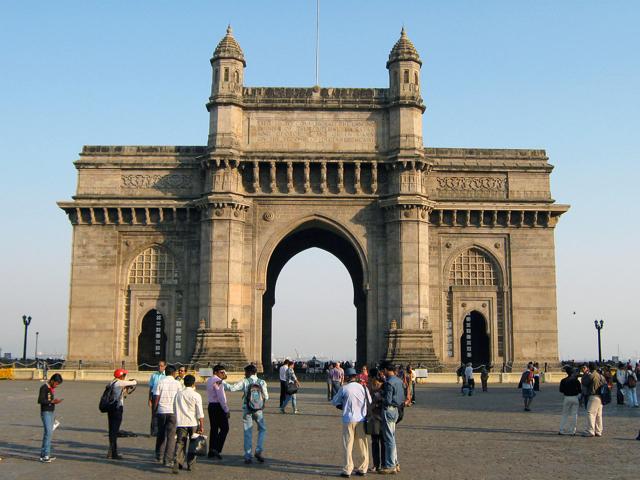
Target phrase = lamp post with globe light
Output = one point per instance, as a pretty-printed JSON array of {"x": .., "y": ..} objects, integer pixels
[
  {"x": 599, "y": 326},
  {"x": 26, "y": 320}
]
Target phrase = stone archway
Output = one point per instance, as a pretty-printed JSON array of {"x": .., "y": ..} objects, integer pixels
[
  {"x": 152, "y": 340},
  {"x": 309, "y": 235},
  {"x": 475, "y": 346}
]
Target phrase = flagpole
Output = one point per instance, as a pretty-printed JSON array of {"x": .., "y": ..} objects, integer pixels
[{"x": 317, "y": 42}]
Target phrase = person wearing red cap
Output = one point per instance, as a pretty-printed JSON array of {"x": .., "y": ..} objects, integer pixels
[{"x": 121, "y": 387}]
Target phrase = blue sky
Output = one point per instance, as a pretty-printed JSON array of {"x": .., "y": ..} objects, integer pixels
[{"x": 563, "y": 76}]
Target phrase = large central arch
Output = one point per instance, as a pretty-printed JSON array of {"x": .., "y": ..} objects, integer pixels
[{"x": 316, "y": 233}]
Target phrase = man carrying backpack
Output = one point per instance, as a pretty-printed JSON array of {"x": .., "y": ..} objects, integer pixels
[
  {"x": 118, "y": 388},
  {"x": 254, "y": 397},
  {"x": 593, "y": 383}
]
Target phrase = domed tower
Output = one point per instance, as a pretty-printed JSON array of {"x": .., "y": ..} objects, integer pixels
[
  {"x": 226, "y": 92},
  {"x": 404, "y": 69},
  {"x": 405, "y": 102},
  {"x": 228, "y": 66}
]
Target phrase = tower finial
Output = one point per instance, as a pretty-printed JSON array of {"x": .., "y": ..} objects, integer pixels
[{"x": 229, "y": 30}]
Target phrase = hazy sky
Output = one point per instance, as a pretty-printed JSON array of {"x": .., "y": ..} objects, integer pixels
[{"x": 564, "y": 76}]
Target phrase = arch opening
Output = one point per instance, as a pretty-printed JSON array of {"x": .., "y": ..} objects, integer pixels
[
  {"x": 152, "y": 341},
  {"x": 305, "y": 237},
  {"x": 474, "y": 341}
]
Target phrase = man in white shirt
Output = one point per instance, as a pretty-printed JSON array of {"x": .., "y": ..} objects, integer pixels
[
  {"x": 468, "y": 378},
  {"x": 164, "y": 396},
  {"x": 353, "y": 398},
  {"x": 282, "y": 373},
  {"x": 189, "y": 417}
]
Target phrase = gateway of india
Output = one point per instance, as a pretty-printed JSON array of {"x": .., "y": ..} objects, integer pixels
[{"x": 177, "y": 249}]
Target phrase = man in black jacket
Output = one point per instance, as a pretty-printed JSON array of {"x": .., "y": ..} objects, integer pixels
[
  {"x": 570, "y": 386},
  {"x": 48, "y": 403}
]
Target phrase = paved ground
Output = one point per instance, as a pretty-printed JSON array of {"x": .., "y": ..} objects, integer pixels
[{"x": 444, "y": 436}]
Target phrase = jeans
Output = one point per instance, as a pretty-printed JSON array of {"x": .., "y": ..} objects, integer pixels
[
  {"x": 389, "y": 419},
  {"x": 153, "y": 428},
  {"x": 632, "y": 396},
  {"x": 166, "y": 439},
  {"x": 335, "y": 386},
  {"x": 569, "y": 415},
  {"x": 247, "y": 424},
  {"x": 283, "y": 392},
  {"x": 219, "y": 427},
  {"x": 182, "y": 447},
  {"x": 115, "y": 420},
  {"x": 377, "y": 450},
  {"x": 294, "y": 401},
  {"x": 47, "y": 423}
]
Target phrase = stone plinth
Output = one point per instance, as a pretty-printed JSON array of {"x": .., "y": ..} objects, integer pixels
[
  {"x": 220, "y": 346},
  {"x": 414, "y": 346}
]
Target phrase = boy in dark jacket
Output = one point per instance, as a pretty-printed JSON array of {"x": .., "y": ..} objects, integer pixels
[{"x": 48, "y": 402}]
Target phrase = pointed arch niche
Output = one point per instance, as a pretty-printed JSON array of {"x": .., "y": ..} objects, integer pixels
[
  {"x": 474, "y": 282},
  {"x": 153, "y": 283}
]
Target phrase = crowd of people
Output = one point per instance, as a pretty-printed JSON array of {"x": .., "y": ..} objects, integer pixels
[{"x": 372, "y": 402}]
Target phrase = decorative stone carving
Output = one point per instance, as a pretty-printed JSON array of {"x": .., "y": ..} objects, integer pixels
[
  {"x": 268, "y": 216},
  {"x": 157, "y": 182},
  {"x": 471, "y": 183}
]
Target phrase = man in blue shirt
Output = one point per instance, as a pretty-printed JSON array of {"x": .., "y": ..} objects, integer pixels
[
  {"x": 353, "y": 399},
  {"x": 153, "y": 382},
  {"x": 393, "y": 401}
]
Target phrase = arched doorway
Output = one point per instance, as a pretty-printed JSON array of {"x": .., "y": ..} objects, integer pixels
[
  {"x": 152, "y": 341},
  {"x": 474, "y": 341},
  {"x": 308, "y": 236}
]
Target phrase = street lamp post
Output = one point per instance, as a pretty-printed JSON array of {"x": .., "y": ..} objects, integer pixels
[
  {"x": 26, "y": 320},
  {"x": 598, "y": 328},
  {"x": 36, "y": 352}
]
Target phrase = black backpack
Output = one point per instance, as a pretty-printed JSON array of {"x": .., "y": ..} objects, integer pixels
[
  {"x": 605, "y": 394},
  {"x": 108, "y": 400}
]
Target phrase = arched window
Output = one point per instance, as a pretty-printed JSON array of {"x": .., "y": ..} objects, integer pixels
[
  {"x": 406, "y": 76},
  {"x": 415, "y": 78},
  {"x": 226, "y": 74},
  {"x": 216, "y": 75},
  {"x": 236, "y": 76},
  {"x": 153, "y": 266},
  {"x": 473, "y": 267}
]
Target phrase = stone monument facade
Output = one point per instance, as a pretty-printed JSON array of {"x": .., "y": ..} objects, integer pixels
[{"x": 177, "y": 249}]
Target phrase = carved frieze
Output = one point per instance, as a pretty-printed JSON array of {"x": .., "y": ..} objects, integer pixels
[
  {"x": 471, "y": 187},
  {"x": 171, "y": 181}
]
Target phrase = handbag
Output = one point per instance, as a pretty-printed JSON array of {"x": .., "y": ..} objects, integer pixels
[
  {"x": 198, "y": 445},
  {"x": 292, "y": 388},
  {"x": 368, "y": 418}
]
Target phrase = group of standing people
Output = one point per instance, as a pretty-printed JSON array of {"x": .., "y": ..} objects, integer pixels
[
  {"x": 590, "y": 388},
  {"x": 372, "y": 407}
]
